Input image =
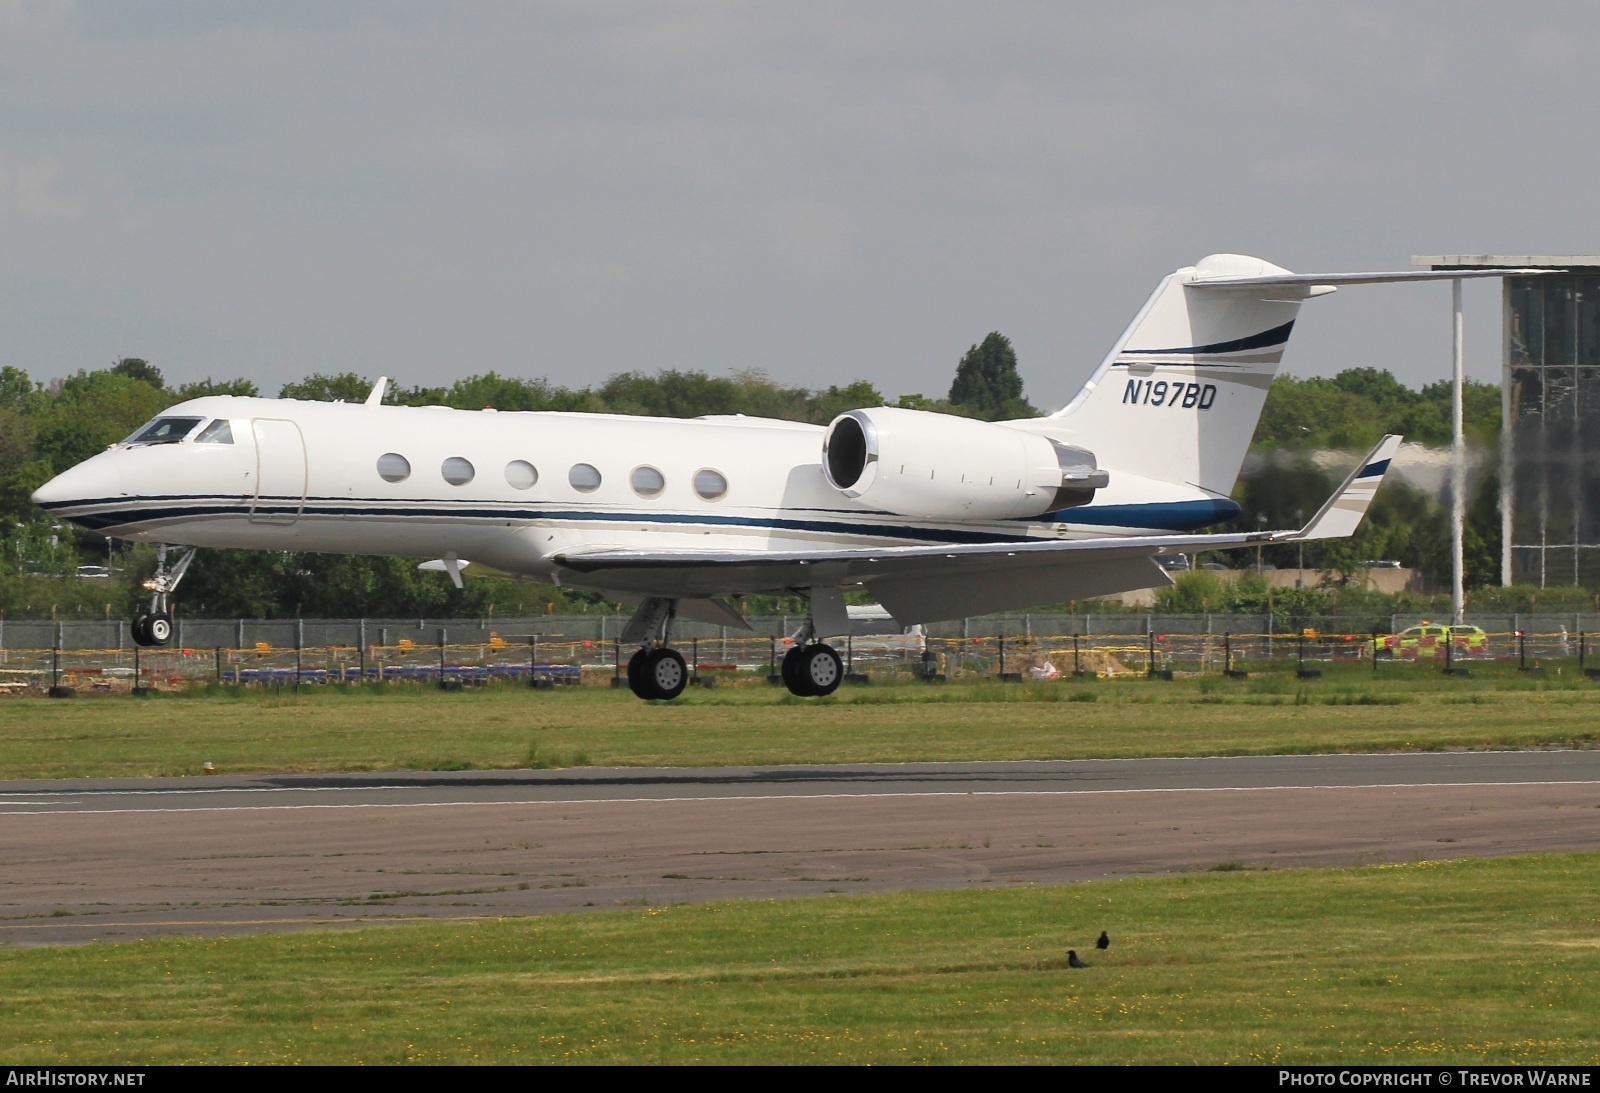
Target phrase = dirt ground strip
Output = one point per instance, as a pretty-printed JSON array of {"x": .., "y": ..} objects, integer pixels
[{"x": 74, "y": 877}]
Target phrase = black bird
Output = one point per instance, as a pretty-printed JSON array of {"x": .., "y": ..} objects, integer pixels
[
  {"x": 1073, "y": 961},
  {"x": 1104, "y": 942}
]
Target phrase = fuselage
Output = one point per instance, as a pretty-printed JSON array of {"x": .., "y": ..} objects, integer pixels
[{"x": 511, "y": 490}]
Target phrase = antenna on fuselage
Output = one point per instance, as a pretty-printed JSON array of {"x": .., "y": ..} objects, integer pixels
[{"x": 379, "y": 389}]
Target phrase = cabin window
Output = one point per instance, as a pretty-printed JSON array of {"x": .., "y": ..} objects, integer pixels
[
  {"x": 165, "y": 430},
  {"x": 457, "y": 471},
  {"x": 710, "y": 484},
  {"x": 394, "y": 467},
  {"x": 521, "y": 474},
  {"x": 584, "y": 478},
  {"x": 215, "y": 433},
  {"x": 647, "y": 481}
]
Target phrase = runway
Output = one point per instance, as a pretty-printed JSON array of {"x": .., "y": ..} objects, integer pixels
[{"x": 87, "y": 860}]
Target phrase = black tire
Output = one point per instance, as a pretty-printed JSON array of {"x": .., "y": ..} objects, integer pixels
[
  {"x": 636, "y": 673},
  {"x": 140, "y": 628},
  {"x": 790, "y": 670},
  {"x": 821, "y": 670},
  {"x": 665, "y": 674},
  {"x": 158, "y": 628}
]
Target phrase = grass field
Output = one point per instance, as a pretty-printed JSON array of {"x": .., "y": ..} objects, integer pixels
[
  {"x": 411, "y": 727},
  {"x": 1490, "y": 961}
]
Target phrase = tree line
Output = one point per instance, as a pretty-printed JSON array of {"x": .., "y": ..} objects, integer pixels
[{"x": 46, "y": 427}]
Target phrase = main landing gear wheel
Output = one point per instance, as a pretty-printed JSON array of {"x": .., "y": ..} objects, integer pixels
[
  {"x": 661, "y": 673},
  {"x": 812, "y": 671},
  {"x": 789, "y": 669}
]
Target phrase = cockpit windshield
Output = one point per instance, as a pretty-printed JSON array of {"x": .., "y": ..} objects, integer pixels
[
  {"x": 165, "y": 430},
  {"x": 218, "y": 432}
]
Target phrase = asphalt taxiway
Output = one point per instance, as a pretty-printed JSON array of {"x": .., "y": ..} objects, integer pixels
[{"x": 106, "y": 859}]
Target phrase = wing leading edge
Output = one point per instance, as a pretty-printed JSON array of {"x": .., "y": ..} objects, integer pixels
[{"x": 928, "y": 583}]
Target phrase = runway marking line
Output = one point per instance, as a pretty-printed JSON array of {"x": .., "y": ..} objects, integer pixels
[{"x": 566, "y": 802}]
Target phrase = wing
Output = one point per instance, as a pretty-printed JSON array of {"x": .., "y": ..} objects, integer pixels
[{"x": 927, "y": 583}]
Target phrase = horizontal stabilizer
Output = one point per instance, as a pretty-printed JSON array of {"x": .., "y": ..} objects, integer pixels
[{"x": 1312, "y": 279}]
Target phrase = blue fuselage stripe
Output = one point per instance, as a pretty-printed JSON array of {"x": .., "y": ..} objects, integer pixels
[{"x": 1161, "y": 516}]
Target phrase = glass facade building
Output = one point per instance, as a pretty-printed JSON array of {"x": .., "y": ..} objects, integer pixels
[
  {"x": 1550, "y": 414},
  {"x": 1550, "y": 440}
]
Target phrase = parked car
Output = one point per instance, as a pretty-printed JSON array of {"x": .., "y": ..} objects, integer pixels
[
  {"x": 93, "y": 571},
  {"x": 1428, "y": 640}
]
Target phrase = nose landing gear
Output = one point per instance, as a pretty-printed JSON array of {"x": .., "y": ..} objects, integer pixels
[{"x": 154, "y": 627}]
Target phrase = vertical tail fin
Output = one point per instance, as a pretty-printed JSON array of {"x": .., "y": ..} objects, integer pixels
[{"x": 1178, "y": 397}]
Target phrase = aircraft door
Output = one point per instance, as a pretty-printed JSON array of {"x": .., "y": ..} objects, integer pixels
[{"x": 280, "y": 472}]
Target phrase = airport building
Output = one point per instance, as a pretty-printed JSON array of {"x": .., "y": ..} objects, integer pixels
[{"x": 1550, "y": 407}]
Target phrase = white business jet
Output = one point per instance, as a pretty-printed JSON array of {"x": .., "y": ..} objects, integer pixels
[{"x": 935, "y": 516}]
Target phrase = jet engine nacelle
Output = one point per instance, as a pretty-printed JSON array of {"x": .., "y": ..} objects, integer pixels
[{"x": 938, "y": 467}]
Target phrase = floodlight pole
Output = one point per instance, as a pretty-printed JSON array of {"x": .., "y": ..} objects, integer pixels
[{"x": 1458, "y": 462}]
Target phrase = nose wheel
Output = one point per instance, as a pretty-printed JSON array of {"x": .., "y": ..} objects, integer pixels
[{"x": 154, "y": 627}]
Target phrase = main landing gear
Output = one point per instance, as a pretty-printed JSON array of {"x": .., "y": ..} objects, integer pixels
[
  {"x": 811, "y": 669},
  {"x": 658, "y": 672},
  {"x": 154, "y": 627}
]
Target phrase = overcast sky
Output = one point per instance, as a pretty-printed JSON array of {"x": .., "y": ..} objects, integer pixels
[{"x": 826, "y": 192}]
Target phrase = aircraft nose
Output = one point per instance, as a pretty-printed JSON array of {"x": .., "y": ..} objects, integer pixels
[{"x": 92, "y": 480}]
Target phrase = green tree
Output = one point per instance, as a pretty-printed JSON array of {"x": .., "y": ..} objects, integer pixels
[
  {"x": 837, "y": 400},
  {"x": 17, "y": 437},
  {"x": 344, "y": 387},
  {"x": 17, "y": 391},
  {"x": 240, "y": 388},
  {"x": 136, "y": 368},
  {"x": 90, "y": 410},
  {"x": 987, "y": 383},
  {"x": 918, "y": 401},
  {"x": 1356, "y": 407}
]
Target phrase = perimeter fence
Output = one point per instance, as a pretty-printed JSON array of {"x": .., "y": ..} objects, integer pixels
[{"x": 574, "y": 650}]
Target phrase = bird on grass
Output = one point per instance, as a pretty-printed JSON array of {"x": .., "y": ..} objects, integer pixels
[
  {"x": 1104, "y": 942},
  {"x": 1073, "y": 961}
]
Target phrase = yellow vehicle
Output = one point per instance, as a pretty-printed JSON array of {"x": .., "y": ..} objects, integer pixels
[{"x": 1428, "y": 640}]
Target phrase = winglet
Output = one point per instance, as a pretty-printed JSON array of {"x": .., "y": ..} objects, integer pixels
[
  {"x": 1341, "y": 515},
  {"x": 379, "y": 389}
]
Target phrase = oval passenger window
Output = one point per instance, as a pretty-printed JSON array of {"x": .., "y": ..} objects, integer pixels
[
  {"x": 710, "y": 484},
  {"x": 584, "y": 478},
  {"x": 648, "y": 482},
  {"x": 521, "y": 474},
  {"x": 456, "y": 471},
  {"x": 394, "y": 467}
]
